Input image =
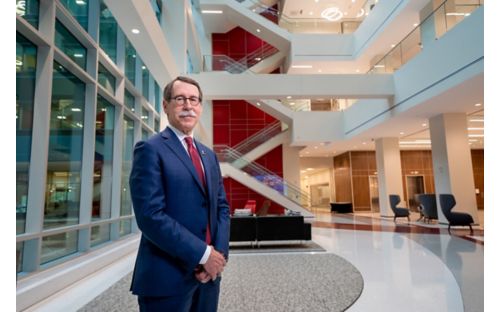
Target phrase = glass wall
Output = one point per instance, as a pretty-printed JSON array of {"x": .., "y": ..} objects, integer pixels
[
  {"x": 145, "y": 81},
  {"x": 103, "y": 159},
  {"x": 130, "y": 101},
  {"x": 62, "y": 199},
  {"x": 28, "y": 9},
  {"x": 25, "y": 91},
  {"x": 108, "y": 31},
  {"x": 68, "y": 44},
  {"x": 79, "y": 9},
  {"x": 58, "y": 246},
  {"x": 106, "y": 79},
  {"x": 130, "y": 61},
  {"x": 128, "y": 147},
  {"x": 82, "y": 200}
]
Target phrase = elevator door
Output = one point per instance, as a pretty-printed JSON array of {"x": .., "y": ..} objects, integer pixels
[
  {"x": 373, "y": 181},
  {"x": 414, "y": 186}
]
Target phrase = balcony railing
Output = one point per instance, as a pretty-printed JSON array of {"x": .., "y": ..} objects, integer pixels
[
  {"x": 260, "y": 137},
  {"x": 262, "y": 174},
  {"x": 440, "y": 21},
  {"x": 227, "y": 64}
]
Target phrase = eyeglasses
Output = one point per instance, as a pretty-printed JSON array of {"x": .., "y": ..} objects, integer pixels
[{"x": 182, "y": 100}]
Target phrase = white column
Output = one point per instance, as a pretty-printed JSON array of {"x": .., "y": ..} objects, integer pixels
[
  {"x": 390, "y": 180},
  {"x": 452, "y": 162},
  {"x": 174, "y": 27}
]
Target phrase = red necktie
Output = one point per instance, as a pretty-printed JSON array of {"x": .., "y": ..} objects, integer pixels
[{"x": 195, "y": 158}]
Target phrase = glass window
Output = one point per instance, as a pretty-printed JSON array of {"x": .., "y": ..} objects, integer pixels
[
  {"x": 99, "y": 234},
  {"x": 79, "y": 9},
  {"x": 145, "y": 82},
  {"x": 128, "y": 147},
  {"x": 68, "y": 44},
  {"x": 158, "y": 98},
  {"x": 25, "y": 91},
  {"x": 108, "y": 30},
  {"x": 106, "y": 79},
  {"x": 103, "y": 159},
  {"x": 156, "y": 5},
  {"x": 125, "y": 227},
  {"x": 28, "y": 9},
  {"x": 130, "y": 59},
  {"x": 145, "y": 115},
  {"x": 19, "y": 256},
  {"x": 145, "y": 134},
  {"x": 58, "y": 246},
  {"x": 62, "y": 198},
  {"x": 157, "y": 125},
  {"x": 130, "y": 101}
]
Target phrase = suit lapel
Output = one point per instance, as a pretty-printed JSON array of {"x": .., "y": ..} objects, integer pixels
[{"x": 176, "y": 146}]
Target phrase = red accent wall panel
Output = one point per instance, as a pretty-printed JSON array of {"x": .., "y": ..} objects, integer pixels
[{"x": 236, "y": 120}]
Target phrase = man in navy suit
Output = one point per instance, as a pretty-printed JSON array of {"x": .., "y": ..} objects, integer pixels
[{"x": 181, "y": 208}]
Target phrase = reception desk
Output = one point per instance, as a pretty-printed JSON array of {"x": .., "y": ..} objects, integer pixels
[{"x": 341, "y": 207}]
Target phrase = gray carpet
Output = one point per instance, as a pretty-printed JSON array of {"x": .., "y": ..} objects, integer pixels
[
  {"x": 274, "y": 247},
  {"x": 293, "y": 282}
]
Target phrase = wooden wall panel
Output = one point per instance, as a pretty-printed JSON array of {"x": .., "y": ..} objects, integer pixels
[
  {"x": 478, "y": 168},
  {"x": 342, "y": 174}
]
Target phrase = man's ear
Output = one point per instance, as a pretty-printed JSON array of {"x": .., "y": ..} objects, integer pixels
[{"x": 165, "y": 103}]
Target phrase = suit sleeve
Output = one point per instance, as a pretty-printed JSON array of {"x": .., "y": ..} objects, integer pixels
[
  {"x": 148, "y": 198},
  {"x": 223, "y": 217}
]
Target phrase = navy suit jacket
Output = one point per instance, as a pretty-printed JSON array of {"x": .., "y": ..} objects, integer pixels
[{"x": 172, "y": 210}]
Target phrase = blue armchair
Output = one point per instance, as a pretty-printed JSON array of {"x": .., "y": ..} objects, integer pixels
[
  {"x": 394, "y": 200},
  {"x": 447, "y": 202},
  {"x": 429, "y": 206}
]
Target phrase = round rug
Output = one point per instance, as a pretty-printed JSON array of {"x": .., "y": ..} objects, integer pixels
[
  {"x": 291, "y": 282},
  {"x": 265, "y": 283}
]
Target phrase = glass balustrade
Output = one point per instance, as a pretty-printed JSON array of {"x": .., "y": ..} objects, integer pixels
[
  {"x": 433, "y": 27},
  {"x": 263, "y": 175}
]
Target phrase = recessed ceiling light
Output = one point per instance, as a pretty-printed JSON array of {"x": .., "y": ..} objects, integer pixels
[
  {"x": 401, "y": 133},
  {"x": 80, "y": 2},
  {"x": 357, "y": 70},
  {"x": 319, "y": 71},
  {"x": 301, "y": 66},
  {"x": 289, "y": 97},
  {"x": 311, "y": 13},
  {"x": 478, "y": 104},
  {"x": 475, "y": 128},
  {"x": 136, "y": 31},
  {"x": 258, "y": 30},
  {"x": 424, "y": 125},
  {"x": 415, "y": 25},
  {"x": 393, "y": 45}
]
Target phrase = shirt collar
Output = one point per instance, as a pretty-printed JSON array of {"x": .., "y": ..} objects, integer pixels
[{"x": 180, "y": 135}]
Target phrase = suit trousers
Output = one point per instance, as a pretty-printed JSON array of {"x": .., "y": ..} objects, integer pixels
[{"x": 202, "y": 298}]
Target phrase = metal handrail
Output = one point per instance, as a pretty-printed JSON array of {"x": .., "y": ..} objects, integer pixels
[
  {"x": 259, "y": 137},
  {"x": 294, "y": 22},
  {"x": 262, "y": 174},
  {"x": 398, "y": 48}
]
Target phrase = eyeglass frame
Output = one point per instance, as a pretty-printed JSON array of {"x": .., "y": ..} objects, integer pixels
[{"x": 197, "y": 100}]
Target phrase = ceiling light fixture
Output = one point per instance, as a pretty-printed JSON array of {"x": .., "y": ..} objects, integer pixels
[
  {"x": 478, "y": 104},
  {"x": 301, "y": 66},
  {"x": 136, "y": 31},
  {"x": 332, "y": 14},
  {"x": 360, "y": 13},
  {"x": 211, "y": 11}
]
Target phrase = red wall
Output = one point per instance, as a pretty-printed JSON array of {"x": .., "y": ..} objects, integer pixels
[{"x": 236, "y": 120}]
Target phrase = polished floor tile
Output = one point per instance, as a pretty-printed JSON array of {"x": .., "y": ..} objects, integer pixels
[{"x": 407, "y": 267}]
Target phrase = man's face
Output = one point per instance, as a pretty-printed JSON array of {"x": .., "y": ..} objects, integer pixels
[{"x": 183, "y": 117}]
